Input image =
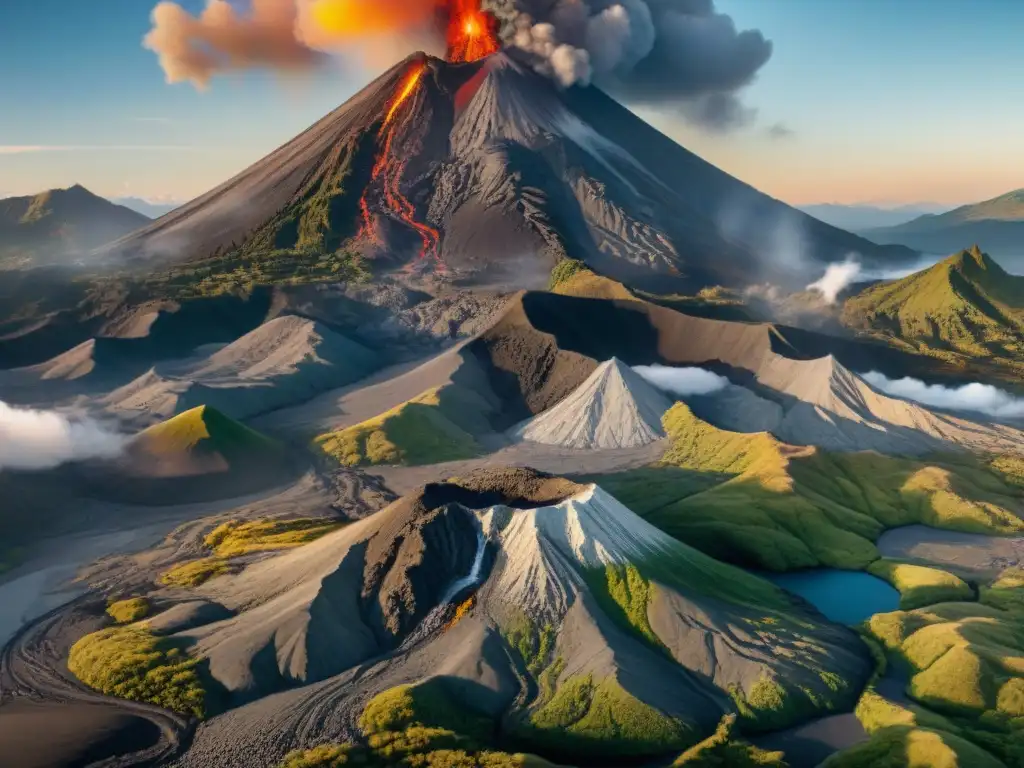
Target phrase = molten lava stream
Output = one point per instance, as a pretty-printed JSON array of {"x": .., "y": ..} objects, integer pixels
[{"x": 388, "y": 171}]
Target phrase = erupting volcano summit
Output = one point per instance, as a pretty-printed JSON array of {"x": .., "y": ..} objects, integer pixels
[{"x": 480, "y": 167}]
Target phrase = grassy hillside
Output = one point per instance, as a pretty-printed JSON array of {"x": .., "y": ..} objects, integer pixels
[
  {"x": 965, "y": 310},
  {"x": 752, "y": 500},
  {"x": 205, "y": 431},
  {"x": 437, "y": 425},
  {"x": 966, "y": 679},
  {"x": 53, "y": 226}
]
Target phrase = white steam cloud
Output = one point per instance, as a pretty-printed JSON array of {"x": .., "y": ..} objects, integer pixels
[
  {"x": 836, "y": 279},
  {"x": 682, "y": 381},
  {"x": 31, "y": 439},
  {"x": 983, "y": 398}
]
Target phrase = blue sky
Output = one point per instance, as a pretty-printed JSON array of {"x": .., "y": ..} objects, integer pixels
[{"x": 888, "y": 100}]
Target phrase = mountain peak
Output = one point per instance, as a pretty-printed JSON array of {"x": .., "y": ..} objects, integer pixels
[
  {"x": 614, "y": 408},
  {"x": 969, "y": 261}
]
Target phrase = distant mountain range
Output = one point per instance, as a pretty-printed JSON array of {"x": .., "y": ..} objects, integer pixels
[
  {"x": 145, "y": 207},
  {"x": 857, "y": 218},
  {"x": 996, "y": 224},
  {"x": 56, "y": 225}
]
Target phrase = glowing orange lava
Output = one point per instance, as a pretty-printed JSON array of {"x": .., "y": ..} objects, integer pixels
[
  {"x": 472, "y": 31},
  {"x": 388, "y": 171}
]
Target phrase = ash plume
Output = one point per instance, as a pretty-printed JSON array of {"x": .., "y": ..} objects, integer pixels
[
  {"x": 32, "y": 439},
  {"x": 681, "y": 55},
  {"x": 682, "y": 381},
  {"x": 678, "y": 55}
]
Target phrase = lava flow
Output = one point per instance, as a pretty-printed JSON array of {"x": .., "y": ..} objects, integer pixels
[
  {"x": 388, "y": 170},
  {"x": 472, "y": 31}
]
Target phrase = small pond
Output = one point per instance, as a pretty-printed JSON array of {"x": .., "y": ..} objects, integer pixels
[{"x": 848, "y": 597}]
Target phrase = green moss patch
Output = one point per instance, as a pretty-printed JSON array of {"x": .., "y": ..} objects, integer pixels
[
  {"x": 195, "y": 572},
  {"x": 428, "y": 704},
  {"x": 128, "y": 611},
  {"x": 436, "y": 426},
  {"x": 564, "y": 270},
  {"x": 723, "y": 750},
  {"x": 920, "y": 586},
  {"x": 603, "y": 718},
  {"x": 132, "y": 663},
  {"x": 234, "y": 538}
]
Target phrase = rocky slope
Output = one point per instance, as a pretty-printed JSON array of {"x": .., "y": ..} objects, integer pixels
[
  {"x": 488, "y": 584},
  {"x": 614, "y": 408},
  {"x": 470, "y": 167}
]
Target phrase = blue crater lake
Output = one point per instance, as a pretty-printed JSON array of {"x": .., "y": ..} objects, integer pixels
[{"x": 848, "y": 597}]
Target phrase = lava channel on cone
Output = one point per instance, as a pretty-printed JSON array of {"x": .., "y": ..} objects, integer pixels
[{"x": 388, "y": 172}]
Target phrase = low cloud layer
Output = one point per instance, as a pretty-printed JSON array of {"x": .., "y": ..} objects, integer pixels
[
  {"x": 837, "y": 278},
  {"x": 682, "y": 381},
  {"x": 981, "y": 398},
  {"x": 31, "y": 439}
]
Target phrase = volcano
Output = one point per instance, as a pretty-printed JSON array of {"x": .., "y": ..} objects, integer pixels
[{"x": 486, "y": 171}]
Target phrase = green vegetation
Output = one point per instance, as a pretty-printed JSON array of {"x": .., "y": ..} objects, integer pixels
[
  {"x": 770, "y": 705},
  {"x": 436, "y": 426},
  {"x": 625, "y": 595},
  {"x": 415, "y": 747},
  {"x": 722, "y": 750},
  {"x": 195, "y": 572},
  {"x": 907, "y": 747},
  {"x": 877, "y": 713},
  {"x": 564, "y": 270},
  {"x": 401, "y": 727},
  {"x": 966, "y": 311},
  {"x": 585, "y": 717},
  {"x": 533, "y": 644},
  {"x": 966, "y": 663},
  {"x": 206, "y": 430},
  {"x": 237, "y": 273},
  {"x": 132, "y": 663},
  {"x": 128, "y": 611},
  {"x": 235, "y": 538},
  {"x": 752, "y": 500},
  {"x": 920, "y": 586},
  {"x": 427, "y": 704}
]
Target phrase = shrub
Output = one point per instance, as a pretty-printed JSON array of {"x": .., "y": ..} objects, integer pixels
[
  {"x": 195, "y": 572},
  {"x": 127, "y": 611},
  {"x": 563, "y": 270},
  {"x": 233, "y": 539},
  {"x": 132, "y": 663}
]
